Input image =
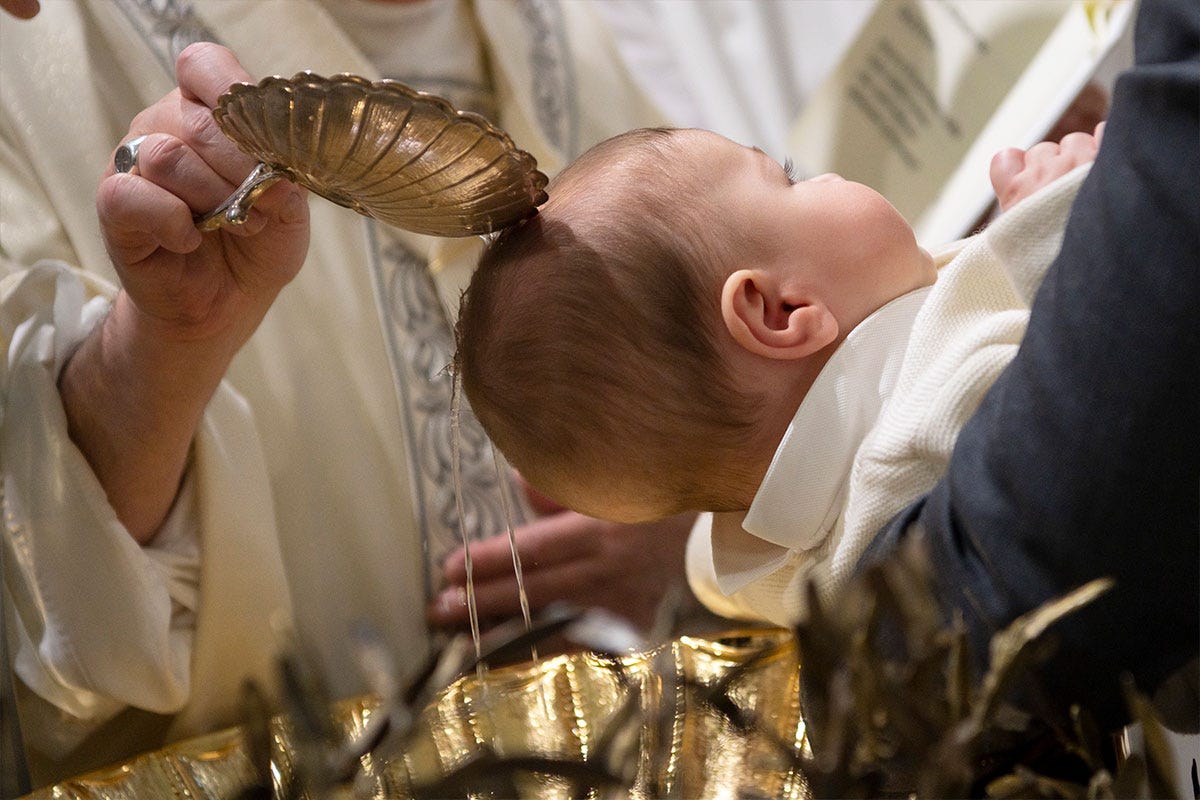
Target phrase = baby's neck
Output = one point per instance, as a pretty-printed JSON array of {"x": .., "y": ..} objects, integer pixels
[{"x": 781, "y": 387}]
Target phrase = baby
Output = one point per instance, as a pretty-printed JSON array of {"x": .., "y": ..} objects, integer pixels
[{"x": 685, "y": 326}]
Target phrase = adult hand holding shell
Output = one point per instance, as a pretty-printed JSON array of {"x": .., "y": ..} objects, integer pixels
[
  {"x": 188, "y": 284},
  {"x": 136, "y": 388}
]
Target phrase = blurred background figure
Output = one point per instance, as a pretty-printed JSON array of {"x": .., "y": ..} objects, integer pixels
[{"x": 740, "y": 69}]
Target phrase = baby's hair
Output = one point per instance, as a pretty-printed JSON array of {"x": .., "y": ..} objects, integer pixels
[{"x": 588, "y": 335}]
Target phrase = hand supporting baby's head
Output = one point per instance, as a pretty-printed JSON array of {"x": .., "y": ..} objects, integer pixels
[{"x": 589, "y": 337}]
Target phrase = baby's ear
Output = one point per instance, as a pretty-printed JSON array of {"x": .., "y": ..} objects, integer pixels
[{"x": 774, "y": 321}]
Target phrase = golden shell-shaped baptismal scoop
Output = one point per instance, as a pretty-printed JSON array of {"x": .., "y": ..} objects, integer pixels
[{"x": 404, "y": 157}]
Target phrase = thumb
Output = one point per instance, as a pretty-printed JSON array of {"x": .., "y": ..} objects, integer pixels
[
  {"x": 205, "y": 71},
  {"x": 1005, "y": 167}
]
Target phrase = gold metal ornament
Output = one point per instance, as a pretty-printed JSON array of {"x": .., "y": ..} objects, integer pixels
[
  {"x": 385, "y": 150},
  {"x": 691, "y": 718},
  {"x": 558, "y": 710}
]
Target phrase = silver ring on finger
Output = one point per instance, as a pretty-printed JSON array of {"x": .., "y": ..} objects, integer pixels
[{"x": 125, "y": 159}]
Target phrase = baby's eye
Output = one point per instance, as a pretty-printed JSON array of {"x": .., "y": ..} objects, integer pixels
[{"x": 789, "y": 169}]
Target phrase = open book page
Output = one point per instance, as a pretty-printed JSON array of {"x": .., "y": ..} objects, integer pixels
[{"x": 931, "y": 89}]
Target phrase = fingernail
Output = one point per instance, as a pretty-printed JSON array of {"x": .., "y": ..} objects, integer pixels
[
  {"x": 293, "y": 209},
  {"x": 192, "y": 239},
  {"x": 452, "y": 599}
]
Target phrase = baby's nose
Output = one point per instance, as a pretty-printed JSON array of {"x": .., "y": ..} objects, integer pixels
[{"x": 826, "y": 177}]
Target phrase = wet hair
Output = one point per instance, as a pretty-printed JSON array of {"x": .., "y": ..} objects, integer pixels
[{"x": 588, "y": 337}]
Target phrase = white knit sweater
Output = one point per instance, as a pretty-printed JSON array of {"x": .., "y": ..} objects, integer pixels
[{"x": 963, "y": 336}]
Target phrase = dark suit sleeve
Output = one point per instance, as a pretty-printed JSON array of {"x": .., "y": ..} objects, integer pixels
[{"x": 1083, "y": 459}]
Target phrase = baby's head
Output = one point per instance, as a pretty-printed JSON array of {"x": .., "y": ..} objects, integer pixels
[{"x": 638, "y": 347}]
